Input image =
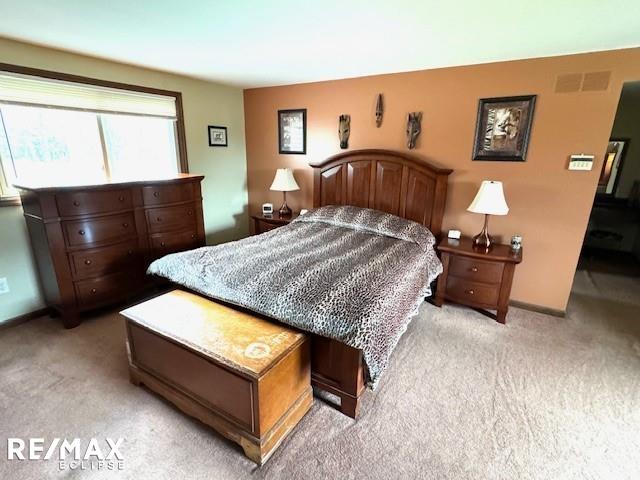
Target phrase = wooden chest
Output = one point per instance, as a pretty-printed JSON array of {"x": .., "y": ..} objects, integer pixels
[
  {"x": 248, "y": 378},
  {"x": 92, "y": 244}
]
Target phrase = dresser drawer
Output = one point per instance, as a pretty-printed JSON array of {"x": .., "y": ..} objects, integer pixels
[
  {"x": 97, "y": 201},
  {"x": 162, "y": 194},
  {"x": 165, "y": 243},
  {"x": 104, "y": 289},
  {"x": 476, "y": 270},
  {"x": 103, "y": 229},
  {"x": 164, "y": 219},
  {"x": 98, "y": 261},
  {"x": 469, "y": 292}
]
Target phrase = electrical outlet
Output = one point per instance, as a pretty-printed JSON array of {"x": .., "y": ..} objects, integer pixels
[{"x": 4, "y": 285}]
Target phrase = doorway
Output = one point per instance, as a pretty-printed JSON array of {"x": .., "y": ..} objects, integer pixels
[{"x": 610, "y": 256}]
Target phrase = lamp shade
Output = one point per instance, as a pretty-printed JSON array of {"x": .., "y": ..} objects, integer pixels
[
  {"x": 489, "y": 199},
  {"x": 284, "y": 181}
]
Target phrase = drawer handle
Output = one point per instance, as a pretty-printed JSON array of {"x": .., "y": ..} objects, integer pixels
[
  {"x": 76, "y": 203},
  {"x": 474, "y": 269},
  {"x": 156, "y": 194},
  {"x": 81, "y": 232},
  {"x": 193, "y": 235},
  {"x": 121, "y": 198},
  {"x": 162, "y": 244},
  {"x": 470, "y": 292},
  {"x": 189, "y": 212},
  {"x": 87, "y": 262},
  {"x": 125, "y": 225},
  {"x": 93, "y": 290},
  {"x": 158, "y": 219}
]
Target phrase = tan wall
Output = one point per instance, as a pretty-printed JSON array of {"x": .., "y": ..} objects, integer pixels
[
  {"x": 549, "y": 204},
  {"x": 205, "y": 103}
]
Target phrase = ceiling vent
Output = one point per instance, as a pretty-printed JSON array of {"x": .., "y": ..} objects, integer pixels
[
  {"x": 568, "y": 83},
  {"x": 596, "y": 81}
]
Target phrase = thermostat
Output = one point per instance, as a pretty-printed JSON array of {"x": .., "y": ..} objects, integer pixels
[{"x": 581, "y": 162}]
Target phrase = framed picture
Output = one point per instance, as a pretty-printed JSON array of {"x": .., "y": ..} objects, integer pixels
[
  {"x": 217, "y": 136},
  {"x": 612, "y": 166},
  {"x": 292, "y": 131},
  {"x": 503, "y": 128}
]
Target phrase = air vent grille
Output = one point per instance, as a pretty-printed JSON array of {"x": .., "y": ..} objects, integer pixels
[
  {"x": 583, "y": 82},
  {"x": 596, "y": 81},
  {"x": 568, "y": 83}
]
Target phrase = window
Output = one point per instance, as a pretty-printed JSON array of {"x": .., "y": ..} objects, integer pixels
[{"x": 61, "y": 133}]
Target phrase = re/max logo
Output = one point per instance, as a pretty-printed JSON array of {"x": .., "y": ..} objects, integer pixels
[{"x": 35, "y": 449}]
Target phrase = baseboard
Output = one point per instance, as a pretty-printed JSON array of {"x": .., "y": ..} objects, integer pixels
[
  {"x": 538, "y": 308},
  {"x": 12, "y": 322}
]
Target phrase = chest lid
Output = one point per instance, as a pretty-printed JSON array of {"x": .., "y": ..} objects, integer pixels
[{"x": 234, "y": 338}]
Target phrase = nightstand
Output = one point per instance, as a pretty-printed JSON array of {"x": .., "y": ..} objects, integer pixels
[
  {"x": 264, "y": 223},
  {"x": 474, "y": 278}
]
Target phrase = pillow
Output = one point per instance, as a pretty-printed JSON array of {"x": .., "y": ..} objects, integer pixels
[{"x": 372, "y": 221}]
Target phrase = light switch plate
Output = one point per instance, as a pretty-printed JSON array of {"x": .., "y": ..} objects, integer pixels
[
  {"x": 581, "y": 162},
  {"x": 4, "y": 285}
]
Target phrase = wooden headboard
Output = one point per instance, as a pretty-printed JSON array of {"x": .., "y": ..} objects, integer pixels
[{"x": 385, "y": 180}]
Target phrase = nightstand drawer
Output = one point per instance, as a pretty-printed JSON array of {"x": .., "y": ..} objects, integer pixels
[
  {"x": 263, "y": 226},
  {"x": 476, "y": 270},
  {"x": 469, "y": 292}
]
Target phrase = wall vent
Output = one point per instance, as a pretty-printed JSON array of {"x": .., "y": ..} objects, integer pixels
[
  {"x": 596, "y": 81},
  {"x": 568, "y": 83}
]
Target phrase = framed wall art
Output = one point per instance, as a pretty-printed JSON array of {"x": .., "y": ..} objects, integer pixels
[
  {"x": 612, "y": 166},
  {"x": 292, "y": 131},
  {"x": 503, "y": 128},
  {"x": 217, "y": 136}
]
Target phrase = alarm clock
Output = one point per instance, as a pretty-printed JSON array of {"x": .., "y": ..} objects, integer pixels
[{"x": 267, "y": 208}]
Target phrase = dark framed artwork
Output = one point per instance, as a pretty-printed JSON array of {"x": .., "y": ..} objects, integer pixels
[
  {"x": 292, "y": 131},
  {"x": 612, "y": 166},
  {"x": 217, "y": 136},
  {"x": 503, "y": 128}
]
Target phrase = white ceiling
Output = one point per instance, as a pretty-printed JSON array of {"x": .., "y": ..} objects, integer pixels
[{"x": 253, "y": 43}]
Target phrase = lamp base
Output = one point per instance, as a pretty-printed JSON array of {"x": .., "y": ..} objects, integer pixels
[
  {"x": 483, "y": 241},
  {"x": 284, "y": 211}
]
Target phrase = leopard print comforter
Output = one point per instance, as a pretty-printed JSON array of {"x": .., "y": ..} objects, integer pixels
[{"x": 352, "y": 274}]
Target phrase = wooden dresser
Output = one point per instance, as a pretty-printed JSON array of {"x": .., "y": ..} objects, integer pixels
[{"x": 93, "y": 244}]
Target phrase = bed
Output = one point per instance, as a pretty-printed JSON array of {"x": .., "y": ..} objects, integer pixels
[{"x": 348, "y": 272}]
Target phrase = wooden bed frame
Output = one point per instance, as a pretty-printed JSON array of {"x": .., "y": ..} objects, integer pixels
[{"x": 392, "y": 182}]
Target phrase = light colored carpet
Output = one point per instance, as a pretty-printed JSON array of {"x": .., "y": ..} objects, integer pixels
[{"x": 464, "y": 398}]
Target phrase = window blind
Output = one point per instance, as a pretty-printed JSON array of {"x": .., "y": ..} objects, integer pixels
[{"x": 29, "y": 90}]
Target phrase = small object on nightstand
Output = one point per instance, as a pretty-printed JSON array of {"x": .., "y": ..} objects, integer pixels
[
  {"x": 284, "y": 182},
  {"x": 490, "y": 201},
  {"x": 455, "y": 234},
  {"x": 267, "y": 208},
  {"x": 477, "y": 279},
  {"x": 516, "y": 243},
  {"x": 264, "y": 223}
]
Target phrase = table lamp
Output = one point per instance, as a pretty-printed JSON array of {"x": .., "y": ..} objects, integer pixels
[
  {"x": 284, "y": 182},
  {"x": 489, "y": 201}
]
